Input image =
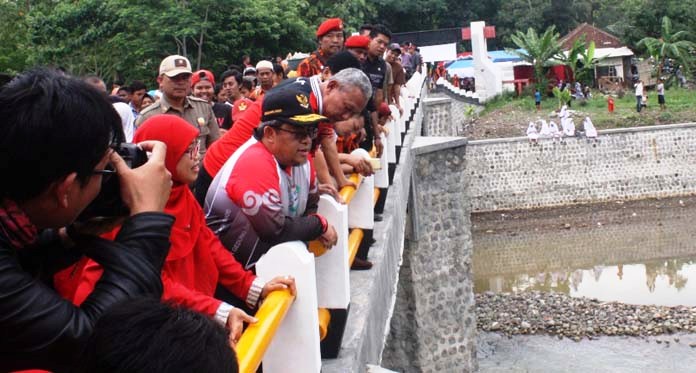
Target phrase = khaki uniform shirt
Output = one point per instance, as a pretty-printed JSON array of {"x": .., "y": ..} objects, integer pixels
[{"x": 196, "y": 111}]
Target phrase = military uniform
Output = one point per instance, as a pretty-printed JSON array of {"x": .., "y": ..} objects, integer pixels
[{"x": 197, "y": 112}]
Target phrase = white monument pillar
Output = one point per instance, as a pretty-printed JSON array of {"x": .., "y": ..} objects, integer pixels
[{"x": 489, "y": 78}]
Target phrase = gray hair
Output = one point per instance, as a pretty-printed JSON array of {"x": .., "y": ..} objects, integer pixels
[{"x": 354, "y": 78}]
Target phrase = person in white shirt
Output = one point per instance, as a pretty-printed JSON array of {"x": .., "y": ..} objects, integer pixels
[
  {"x": 661, "y": 93},
  {"x": 639, "y": 95},
  {"x": 590, "y": 130},
  {"x": 532, "y": 133}
]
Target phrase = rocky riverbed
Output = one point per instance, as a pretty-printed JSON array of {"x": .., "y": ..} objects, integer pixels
[{"x": 563, "y": 316}]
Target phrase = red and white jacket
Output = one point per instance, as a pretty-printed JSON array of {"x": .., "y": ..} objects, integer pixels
[{"x": 254, "y": 203}]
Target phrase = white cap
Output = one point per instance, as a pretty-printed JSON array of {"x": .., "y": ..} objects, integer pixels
[
  {"x": 264, "y": 65},
  {"x": 175, "y": 65}
]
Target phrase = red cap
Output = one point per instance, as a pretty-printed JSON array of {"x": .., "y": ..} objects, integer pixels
[
  {"x": 331, "y": 24},
  {"x": 384, "y": 109},
  {"x": 358, "y": 41},
  {"x": 202, "y": 75}
]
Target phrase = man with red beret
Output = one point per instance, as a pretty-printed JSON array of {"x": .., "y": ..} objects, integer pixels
[
  {"x": 357, "y": 45},
  {"x": 330, "y": 39}
]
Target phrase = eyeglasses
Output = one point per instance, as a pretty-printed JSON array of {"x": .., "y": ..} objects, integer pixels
[
  {"x": 194, "y": 149},
  {"x": 301, "y": 135},
  {"x": 106, "y": 173}
]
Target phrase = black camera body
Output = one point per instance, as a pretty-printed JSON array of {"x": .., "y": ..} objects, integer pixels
[{"x": 108, "y": 203}]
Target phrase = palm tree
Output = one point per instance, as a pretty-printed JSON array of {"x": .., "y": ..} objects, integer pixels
[
  {"x": 669, "y": 45},
  {"x": 538, "y": 50},
  {"x": 580, "y": 59}
]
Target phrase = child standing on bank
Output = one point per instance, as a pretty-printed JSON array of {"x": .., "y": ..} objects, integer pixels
[
  {"x": 661, "y": 93},
  {"x": 537, "y": 99}
]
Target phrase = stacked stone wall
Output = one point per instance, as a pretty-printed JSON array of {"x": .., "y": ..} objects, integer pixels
[
  {"x": 636, "y": 163},
  {"x": 433, "y": 326}
]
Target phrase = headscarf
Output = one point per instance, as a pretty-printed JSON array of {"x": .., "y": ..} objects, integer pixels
[{"x": 177, "y": 134}]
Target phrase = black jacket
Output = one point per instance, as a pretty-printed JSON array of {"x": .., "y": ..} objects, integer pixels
[{"x": 38, "y": 328}]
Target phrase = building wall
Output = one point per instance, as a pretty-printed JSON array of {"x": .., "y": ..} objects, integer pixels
[{"x": 636, "y": 163}]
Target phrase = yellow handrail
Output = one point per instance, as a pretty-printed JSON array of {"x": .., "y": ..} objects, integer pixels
[
  {"x": 256, "y": 338},
  {"x": 347, "y": 192},
  {"x": 324, "y": 320},
  {"x": 354, "y": 240}
]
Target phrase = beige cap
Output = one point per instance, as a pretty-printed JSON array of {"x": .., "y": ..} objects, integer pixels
[{"x": 175, "y": 65}]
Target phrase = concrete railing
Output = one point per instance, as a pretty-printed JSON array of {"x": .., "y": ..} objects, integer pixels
[{"x": 286, "y": 337}]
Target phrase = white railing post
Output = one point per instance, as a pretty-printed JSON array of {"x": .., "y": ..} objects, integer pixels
[
  {"x": 361, "y": 211},
  {"x": 395, "y": 124},
  {"x": 382, "y": 175},
  {"x": 295, "y": 346},
  {"x": 332, "y": 268}
]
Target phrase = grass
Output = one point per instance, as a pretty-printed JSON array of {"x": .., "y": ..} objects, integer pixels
[{"x": 680, "y": 108}]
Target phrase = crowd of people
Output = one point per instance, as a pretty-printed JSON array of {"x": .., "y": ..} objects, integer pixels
[{"x": 235, "y": 166}]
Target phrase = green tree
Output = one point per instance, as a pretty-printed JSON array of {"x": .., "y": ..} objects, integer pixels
[
  {"x": 670, "y": 44},
  {"x": 517, "y": 15},
  {"x": 587, "y": 62},
  {"x": 580, "y": 59},
  {"x": 538, "y": 50},
  {"x": 14, "y": 37}
]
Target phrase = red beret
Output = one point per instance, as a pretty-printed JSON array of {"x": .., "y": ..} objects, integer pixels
[
  {"x": 331, "y": 24},
  {"x": 358, "y": 41},
  {"x": 202, "y": 75},
  {"x": 384, "y": 109}
]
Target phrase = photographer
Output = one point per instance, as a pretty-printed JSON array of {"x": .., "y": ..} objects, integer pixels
[{"x": 55, "y": 139}]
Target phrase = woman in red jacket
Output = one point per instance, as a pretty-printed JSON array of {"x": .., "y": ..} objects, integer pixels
[{"x": 197, "y": 261}]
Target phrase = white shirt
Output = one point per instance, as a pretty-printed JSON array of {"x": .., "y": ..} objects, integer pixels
[
  {"x": 639, "y": 89},
  {"x": 127, "y": 119}
]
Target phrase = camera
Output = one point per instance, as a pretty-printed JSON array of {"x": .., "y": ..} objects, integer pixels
[{"x": 108, "y": 203}]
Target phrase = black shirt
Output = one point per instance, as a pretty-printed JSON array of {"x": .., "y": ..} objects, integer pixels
[
  {"x": 375, "y": 70},
  {"x": 223, "y": 114}
]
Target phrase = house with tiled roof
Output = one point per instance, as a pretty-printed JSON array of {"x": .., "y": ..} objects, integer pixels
[{"x": 615, "y": 57}]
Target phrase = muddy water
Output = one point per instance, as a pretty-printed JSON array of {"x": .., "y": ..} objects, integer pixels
[{"x": 640, "y": 252}]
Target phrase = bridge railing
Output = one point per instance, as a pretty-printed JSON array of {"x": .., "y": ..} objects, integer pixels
[{"x": 289, "y": 329}]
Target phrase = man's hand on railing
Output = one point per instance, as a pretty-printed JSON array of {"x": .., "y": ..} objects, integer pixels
[
  {"x": 329, "y": 238},
  {"x": 359, "y": 164},
  {"x": 235, "y": 324},
  {"x": 278, "y": 283},
  {"x": 331, "y": 190},
  {"x": 379, "y": 147}
]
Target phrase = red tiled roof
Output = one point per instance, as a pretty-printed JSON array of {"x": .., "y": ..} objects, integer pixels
[{"x": 601, "y": 38}]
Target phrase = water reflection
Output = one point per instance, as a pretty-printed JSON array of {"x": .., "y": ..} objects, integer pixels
[
  {"x": 647, "y": 260},
  {"x": 663, "y": 282}
]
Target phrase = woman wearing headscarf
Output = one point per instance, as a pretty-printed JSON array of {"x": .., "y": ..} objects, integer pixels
[{"x": 197, "y": 261}]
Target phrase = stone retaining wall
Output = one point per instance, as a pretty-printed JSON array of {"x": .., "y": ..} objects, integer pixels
[
  {"x": 434, "y": 326},
  {"x": 644, "y": 162}
]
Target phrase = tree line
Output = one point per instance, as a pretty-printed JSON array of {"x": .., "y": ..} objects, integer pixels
[{"x": 125, "y": 39}]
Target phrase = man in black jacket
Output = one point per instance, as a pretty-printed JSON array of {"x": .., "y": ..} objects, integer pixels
[{"x": 55, "y": 137}]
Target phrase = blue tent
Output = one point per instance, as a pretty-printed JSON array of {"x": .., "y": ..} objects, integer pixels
[{"x": 503, "y": 56}]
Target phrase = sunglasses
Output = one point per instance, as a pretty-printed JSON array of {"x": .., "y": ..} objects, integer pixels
[{"x": 301, "y": 135}]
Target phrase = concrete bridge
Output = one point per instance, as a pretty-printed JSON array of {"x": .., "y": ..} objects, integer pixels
[{"x": 414, "y": 311}]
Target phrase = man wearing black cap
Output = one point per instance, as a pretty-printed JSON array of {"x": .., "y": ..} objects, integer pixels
[{"x": 266, "y": 193}]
